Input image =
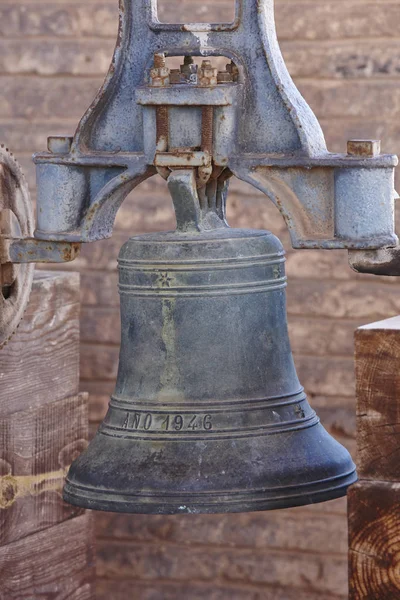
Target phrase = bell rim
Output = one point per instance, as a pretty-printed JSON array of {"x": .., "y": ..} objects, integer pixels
[{"x": 252, "y": 501}]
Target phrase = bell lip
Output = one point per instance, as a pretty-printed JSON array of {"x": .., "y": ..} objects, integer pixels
[{"x": 311, "y": 493}]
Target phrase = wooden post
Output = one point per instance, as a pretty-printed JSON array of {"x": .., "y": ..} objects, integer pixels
[
  {"x": 45, "y": 545},
  {"x": 374, "y": 502}
]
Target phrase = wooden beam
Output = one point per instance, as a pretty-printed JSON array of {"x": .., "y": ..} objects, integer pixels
[
  {"x": 57, "y": 563},
  {"x": 374, "y": 502},
  {"x": 45, "y": 544},
  {"x": 38, "y": 445},
  {"x": 40, "y": 364}
]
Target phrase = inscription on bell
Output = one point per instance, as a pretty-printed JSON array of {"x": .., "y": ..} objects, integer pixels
[{"x": 171, "y": 422}]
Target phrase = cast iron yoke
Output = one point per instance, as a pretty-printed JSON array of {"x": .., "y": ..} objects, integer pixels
[{"x": 249, "y": 121}]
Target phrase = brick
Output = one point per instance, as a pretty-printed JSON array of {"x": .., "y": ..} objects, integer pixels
[
  {"x": 67, "y": 57},
  {"x": 32, "y": 97},
  {"x": 328, "y": 265},
  {"x": 98, "y": 19},
  {"x": 338, "y": 99},
  {"x": 343, "y": 59},
  {"x": 359, "y": 300},
  {"x": 312, "y": 572},
  {"x": 98, "y": 288},
  {"x": 99, "y": 360},
  {"x": 100, "y": 325},
  {"x": 165, "y": 590},
  {"x": 292, "y": 530},
  {"x": 337, "y": 414},
  {"x": 326, "y": 376},
  {"x": 336, "y": 20},
  {"x": 322, "y": 337},
  {"x": 99, "y": 394},
  {"x": 24, "y": 137}
]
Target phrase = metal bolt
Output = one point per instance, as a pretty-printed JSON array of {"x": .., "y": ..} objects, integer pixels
[
  {"x": 59, "y": 144},
  {"x": 189, "y": 70},
  {"x": 364, "y": 148},
  {"x": 188, "y": 60},
  {"x": 159, "y": 74},
  {"x": 224, "y": 77},
  {"x": 233, "y": 70},
  {"x": 207, "y": 74},
  {"x": 159, "y": 60}
]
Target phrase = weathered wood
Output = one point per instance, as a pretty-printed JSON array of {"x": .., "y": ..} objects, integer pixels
[
  {"x": 45, "y": 544},
  {"x": 56, "y": 563},
  {"x": 41, "y": 362},
  {"x": 37, "y": 447},
  {"x": 374, "y": 502},
  {"x": 374, "y": 534},
  {"x": 378, "y": 400}
]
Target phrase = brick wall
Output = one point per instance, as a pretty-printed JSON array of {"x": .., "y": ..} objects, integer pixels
[{"x": 345, "y": 58}]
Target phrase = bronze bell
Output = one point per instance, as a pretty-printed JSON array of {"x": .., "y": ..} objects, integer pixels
[{"x": 208, "y": 414}]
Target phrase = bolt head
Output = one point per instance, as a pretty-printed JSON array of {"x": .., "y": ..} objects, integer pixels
[
  {"x": 159, "y": 59},
  {"x": 59, "y": 144},
  {"x": 364, "y": 148}
]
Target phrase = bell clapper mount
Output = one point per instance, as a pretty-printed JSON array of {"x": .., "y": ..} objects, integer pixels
[{"x": 208, "y": 414}]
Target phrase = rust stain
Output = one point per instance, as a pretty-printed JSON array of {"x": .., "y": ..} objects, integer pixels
[
  {"x": 71, "y": 252},
  {"x": 13, "y": 487}
]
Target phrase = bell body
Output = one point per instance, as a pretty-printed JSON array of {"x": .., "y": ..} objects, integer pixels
[{"x": 208, "y": 414}]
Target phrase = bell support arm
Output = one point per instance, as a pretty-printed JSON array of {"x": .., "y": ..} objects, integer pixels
[{"x": 249, "y": 121}]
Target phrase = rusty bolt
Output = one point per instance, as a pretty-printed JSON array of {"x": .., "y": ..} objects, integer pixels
[
  {"x": 233, "y": 70},
  {"x": 364, "y": 148},
  {"x": 159, "y": 74},
  {"x": 59, "y": 144},
  {"x": 189, "y": 70},
  {"x": 159, "y": 60},
  {"x": 207, "y": 74},
  {"x": 224, "y": 77}
]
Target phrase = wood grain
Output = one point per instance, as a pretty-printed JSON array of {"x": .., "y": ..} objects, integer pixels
[
  {"x": 41, "y": 362},
  {"x": 374, "y": 541},
  {"x": 374, "y": 502},
  {"x": 378, "y": 406},
  {"x": 36, "y": 448},
  {"x": 54, "y": 564}
]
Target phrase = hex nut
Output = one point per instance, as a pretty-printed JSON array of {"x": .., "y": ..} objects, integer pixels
[
  {"x": 159, "y": 73},
  {"x": 208, "y": 75},
  {"x": 364, "y": 148},
  {"x": 224, "y": 77},
  {"x": 233, "y": 70}
]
